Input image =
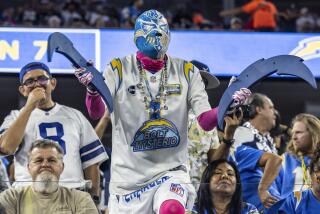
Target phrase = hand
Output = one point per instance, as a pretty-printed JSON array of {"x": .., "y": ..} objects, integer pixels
[
  {"x": 35, "y": 97},
  {"x": 232, "y": 122},
  {"x": 267, "y": 199},
  {"x": 85, "y": 77}
]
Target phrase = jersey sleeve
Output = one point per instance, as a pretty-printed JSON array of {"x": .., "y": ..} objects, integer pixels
[
  {"x": 8, "y": 120},
  {"x": 248, "y": 157},
  {"x": 113, "y": 75},
  {"x": 197, "y": 95},
  {"x": 91, "y": 148}
]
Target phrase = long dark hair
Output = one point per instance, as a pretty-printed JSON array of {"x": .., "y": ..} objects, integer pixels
[
  {"x": 315, "y": 162},
  {"x": 204, "y": 197}
]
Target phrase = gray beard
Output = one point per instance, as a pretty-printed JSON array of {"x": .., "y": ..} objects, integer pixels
[{"x": 46, "y": 183}]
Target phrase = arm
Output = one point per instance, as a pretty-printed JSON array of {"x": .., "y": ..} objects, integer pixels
[
  {"x": 223, "y": 150},
  {"x": 271, "y": 164},
  {"x": 92, "y": 173},
  {"x": 102, "y": 124},
  {"x": 8, "y": 202},
  {"x": 95, "y": 105},
  {"x": 94, "y": 102},
  {"x": 12, "y": 137}
]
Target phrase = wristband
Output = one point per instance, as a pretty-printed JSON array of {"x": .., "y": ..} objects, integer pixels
[{"x": 229, "y": 143}]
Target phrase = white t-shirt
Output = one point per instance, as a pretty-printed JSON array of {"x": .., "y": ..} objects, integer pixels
[
  {"x": 144, "y": 149},
  {"x": 71, "y": 130}
]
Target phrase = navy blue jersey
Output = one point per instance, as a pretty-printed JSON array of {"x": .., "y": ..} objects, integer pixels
[{"x": 250, "y": 145}]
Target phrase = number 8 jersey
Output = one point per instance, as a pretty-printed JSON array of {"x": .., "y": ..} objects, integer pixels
[{"x": 73, "y": 132}]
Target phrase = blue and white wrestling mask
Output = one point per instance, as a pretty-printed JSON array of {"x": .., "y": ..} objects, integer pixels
[{"x": 151, "y": 34}]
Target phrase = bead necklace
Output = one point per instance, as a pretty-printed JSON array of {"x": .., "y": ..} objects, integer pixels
[{"x": 162, "y": 94}]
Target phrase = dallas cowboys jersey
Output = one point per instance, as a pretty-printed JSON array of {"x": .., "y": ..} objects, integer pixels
[
  {"x": 144, "y": 148},
  {"x": 71, "y": 130}
]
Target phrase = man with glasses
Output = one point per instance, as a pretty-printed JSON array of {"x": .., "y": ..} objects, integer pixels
[{"x": 42, "y": 118}]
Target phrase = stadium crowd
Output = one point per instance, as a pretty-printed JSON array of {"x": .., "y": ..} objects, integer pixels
[
  {"x": 255, "y": 165},
  {"x": 103, "y": 14}
]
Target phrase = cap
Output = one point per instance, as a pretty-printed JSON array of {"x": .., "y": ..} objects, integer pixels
[
  {"x": 32, "y": 66},
  {"x": 210, "y": 80}
]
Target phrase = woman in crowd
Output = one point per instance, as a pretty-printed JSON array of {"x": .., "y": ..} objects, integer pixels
[{"x": 220, "y": 191}]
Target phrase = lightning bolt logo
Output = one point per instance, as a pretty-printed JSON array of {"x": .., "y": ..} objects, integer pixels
[
  {"x": 308, "y": 48},
  {"x": 188, "y": 68},
  {"x": 117, "y": 66}
]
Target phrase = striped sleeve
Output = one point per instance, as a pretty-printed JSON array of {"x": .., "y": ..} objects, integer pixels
[{"x": 91, "y": 149}]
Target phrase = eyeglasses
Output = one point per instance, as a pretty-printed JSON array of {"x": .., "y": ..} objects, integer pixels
[{"x": 42, "y": 80}]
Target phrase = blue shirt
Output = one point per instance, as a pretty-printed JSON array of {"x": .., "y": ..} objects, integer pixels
[
  {"x": 246, "y": 209},
  {"x": 250, "y": 145},
  {"x": 291, "y": 174},
  {"x": 301, "y": 202}
]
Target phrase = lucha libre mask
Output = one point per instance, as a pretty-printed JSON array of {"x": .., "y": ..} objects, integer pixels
[{"x": 151, "y": 34}]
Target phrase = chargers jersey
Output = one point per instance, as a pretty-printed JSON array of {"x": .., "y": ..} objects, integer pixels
[
  {"x": 301, "y": 202},
  {"x": 144, "y": 149},
  {"x": 71, "y": 130},
  {"x": 291, "y": 176},
  {"x": 250, "y": 145},
  {"x": 246, "y": 209}
]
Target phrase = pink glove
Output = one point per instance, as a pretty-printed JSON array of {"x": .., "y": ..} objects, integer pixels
[
  {"x": 239, "y": 97},
  {"x": 85, "y": 77}
]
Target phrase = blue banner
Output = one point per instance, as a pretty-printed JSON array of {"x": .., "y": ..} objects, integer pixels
[{"x": 226, "y": 53}]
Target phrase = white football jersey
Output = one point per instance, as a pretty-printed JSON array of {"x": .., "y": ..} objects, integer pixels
[
  {"x": 144, "y": 149},
  {"x": 71, "y": 130}
]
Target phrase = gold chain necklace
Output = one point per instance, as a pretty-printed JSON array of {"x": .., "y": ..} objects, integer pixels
[{"x": 162, "y": 94}]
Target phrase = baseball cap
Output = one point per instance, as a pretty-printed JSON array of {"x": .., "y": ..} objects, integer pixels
[
  {"x": 209, "y": 80},
  {"x": 32, "y": 66}
]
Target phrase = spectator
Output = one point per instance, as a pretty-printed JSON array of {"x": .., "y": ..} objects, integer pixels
[
  {"x": 220, "y": 190},
  {"x": 9, "y": 18},
  {"x": 301, "y": 148},
  {"x": 287, "y": 19},
  {"x": 54, "y": 21},
  {"x": 200, "y": 142},
  {"x": 71, "y": 13},
  {"x": 307, "y": 201},
  {"x": 150, "y": 121},
  {"x": 256, "y": 154},
  {"x": 130, "y": 14},
  {"x": 45, "y": 165},
  {"x": 306, "y": 22},
  {"x": 263, "y": 14},
  {"x": 236, "y": 24},
  {"x": 42, "y": 118},
  {"x": 280, "y": 134}
]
